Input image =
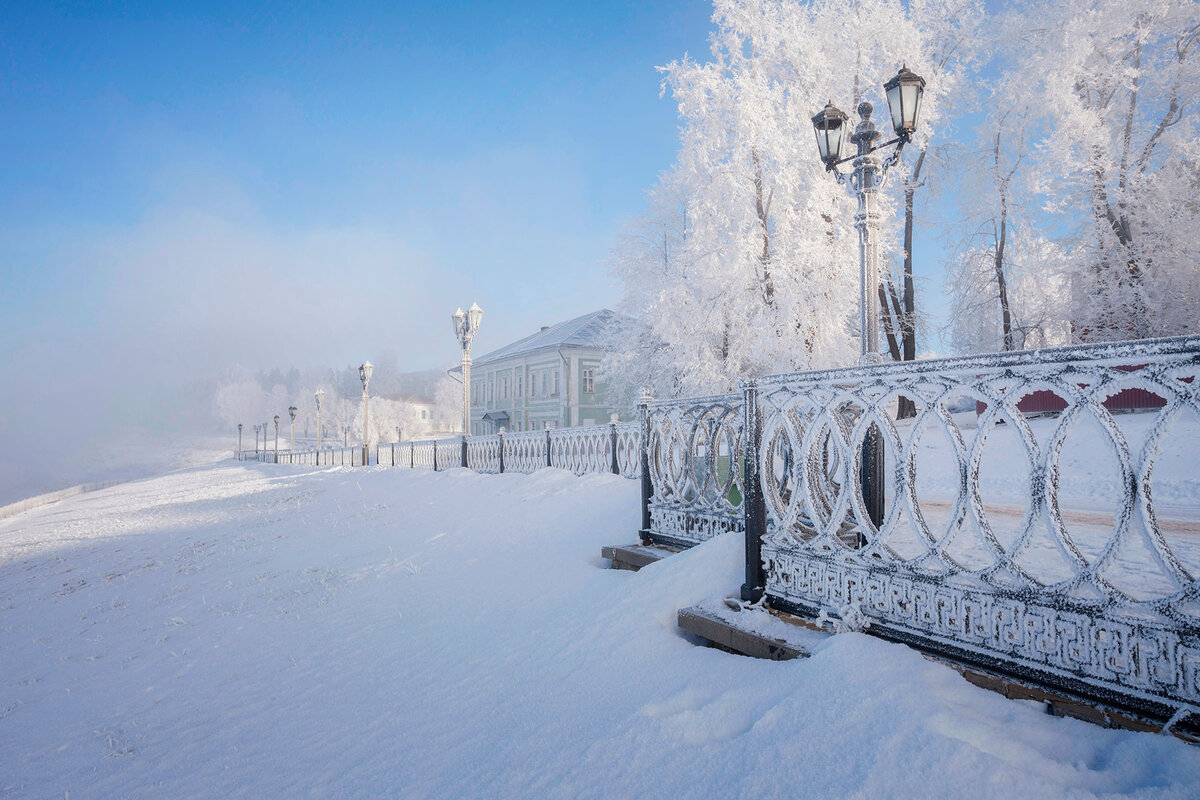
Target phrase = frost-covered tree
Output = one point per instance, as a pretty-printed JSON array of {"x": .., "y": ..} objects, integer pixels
[
  {"x": 746, "y": 260},
  {"x": 1117, "y": 84}
]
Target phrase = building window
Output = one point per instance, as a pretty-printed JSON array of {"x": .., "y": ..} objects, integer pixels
[
  {"x": 504, "y": 389},
  {"x": 490, "y": 391},
  {"x": 545, "y": 384},
  {"x": 589, "y": 381},
  {"x": 556, "y": 373},
  {"x": 424, "y": 414}
]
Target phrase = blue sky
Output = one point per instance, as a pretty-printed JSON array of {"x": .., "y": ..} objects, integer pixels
[
  {"x": 487, "y": 151},
  {"x": 190, "y": 187}
]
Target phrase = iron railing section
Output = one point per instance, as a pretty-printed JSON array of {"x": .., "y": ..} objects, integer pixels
[
  {"x": 694, "y": 456},
  {"x": 1107, "y": 604},
  {"x": 583, "y": 449},
  {"x": 629, "y": 449},
  {"x": 449, "y": 453},
  {"x": 483, "y": 453},
  {"x": 423, "y": 454},
  {"x": 524, "y": 451}
]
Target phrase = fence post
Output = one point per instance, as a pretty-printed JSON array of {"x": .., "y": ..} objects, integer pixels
[
  {"x": 435, "y": 455},
  {"x": 549, "y": 461},
  {"x": 753, "y": 507},
  {"x": 464, "y": 451},
  {"x": 412, "y": 454},
  {"x": 616, "y": 466},
  {"x": 647, "y": 484},
  {"x": 502, "y": 451}
]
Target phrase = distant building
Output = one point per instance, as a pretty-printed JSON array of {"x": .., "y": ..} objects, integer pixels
[
  {"x": 547, "y": 379},
  {"x": 423, "y": 422}
]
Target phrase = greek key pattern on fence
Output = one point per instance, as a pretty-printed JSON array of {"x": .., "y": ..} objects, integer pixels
[
  {"x": 524, "y": 451},
  {"x": 1106, "y": 601},
  {"x": 483, "y": 453},
  {"x": 695, "y": 457}
]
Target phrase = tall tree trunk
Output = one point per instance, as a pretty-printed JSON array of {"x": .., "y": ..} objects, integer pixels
[
  {"x": 1001, "y": 282},
  {"x": 763, "y": 210},
  {"x": 907, "y": 315}
]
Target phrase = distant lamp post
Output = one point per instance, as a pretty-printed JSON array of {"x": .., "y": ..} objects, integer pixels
[
  {"x": 276, "y": 438},
  {"x": 397, "y": 433},
  {"x": 256, "y": 441},
  {"x": 320, "y": 395},
  {"x": 465, "y": 327},
  {"x": 292, "y": 414},
  {"x": 345, "y": 436},
  {"x": 866, "y": 180},
  {"x": 239, "y": 440},
  {"x": 364, "y": 374}
]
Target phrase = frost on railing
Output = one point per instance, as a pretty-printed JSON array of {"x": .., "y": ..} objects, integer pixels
[
  {"x": 524, "y": 451},
  {"x": 1064, "y": 547},
  {"x": 629, "y": 449},
  {"x": 422, "y": 455},
  {"x": 483, "y": 453},
  {"x": 695, "y": 462},
  {"x": 582, "y": 450},
  {"x": 449, "y": 453}
]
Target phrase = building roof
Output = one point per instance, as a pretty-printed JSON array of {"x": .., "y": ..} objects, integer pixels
[{"x": 590, "y": 330}]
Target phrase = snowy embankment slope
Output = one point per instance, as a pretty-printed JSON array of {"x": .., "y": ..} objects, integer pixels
[{"x": 268, "y": 631}]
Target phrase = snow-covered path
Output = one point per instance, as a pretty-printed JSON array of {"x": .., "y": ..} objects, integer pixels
[{"x": 266, "y": 631}]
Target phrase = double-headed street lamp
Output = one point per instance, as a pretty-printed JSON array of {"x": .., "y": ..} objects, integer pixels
[
  {"x": 465, "y": 327},
  {"x": 866, "y": 180},
  {"x": 320, "y": 395},
  {"x": 256, "y": 441},
  {"x": 364, "y": 374},
  {"x": 292, "y": 414}
]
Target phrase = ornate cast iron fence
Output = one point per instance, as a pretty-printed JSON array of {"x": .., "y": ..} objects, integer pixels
[
  {"x": 992, "y": 549},
  {"x": 449, "y": 453},
  {"x": 484, "y": 453},
  {"x": 524, "y": 451},
  {"x": 693, "y": 462},
  {"x": 423, "y": 455}
]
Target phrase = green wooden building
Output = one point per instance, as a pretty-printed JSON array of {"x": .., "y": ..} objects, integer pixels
[{"x": 547, "y": 379}]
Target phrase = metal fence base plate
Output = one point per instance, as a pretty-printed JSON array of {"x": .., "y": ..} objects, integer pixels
[
  {"x": 635, "y": 556},
  {"x": 753, "y": 632}
]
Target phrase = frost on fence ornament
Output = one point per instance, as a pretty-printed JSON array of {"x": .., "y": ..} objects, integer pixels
[{"x": 850, "y": 619}]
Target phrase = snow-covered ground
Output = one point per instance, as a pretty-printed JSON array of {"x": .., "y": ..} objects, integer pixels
[
  {"x": 129, "y": 455},
  {"x": 246, "y": 630}
]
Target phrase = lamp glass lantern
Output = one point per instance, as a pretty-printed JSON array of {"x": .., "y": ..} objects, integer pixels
[
  {"x": 292, "y": 412},
  {"x": 364, "y": 373},
  {"x": 830, "y": 126},
  {"x": 904, "y": 93},
  {"x": 458, "y": 317},
  {"x": 475, "y": 316}
]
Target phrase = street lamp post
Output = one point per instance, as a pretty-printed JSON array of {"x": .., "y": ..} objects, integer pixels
[
  {"x": 276, "y": 438},
  {"x": 256, "y": 441},
  {"x": 465, "y": 327},
  {"x": 345, "y": 436},
  {"x": 397, "y": 434},
  {"x": 292, "y": 414},
  {"x": 866, "y": 180},
  {"x": 239, "y": 441},
  {"x": 364, "y": 374}
]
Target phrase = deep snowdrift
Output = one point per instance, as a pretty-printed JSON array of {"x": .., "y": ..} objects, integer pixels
[{"x": 268, "y": 631}]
